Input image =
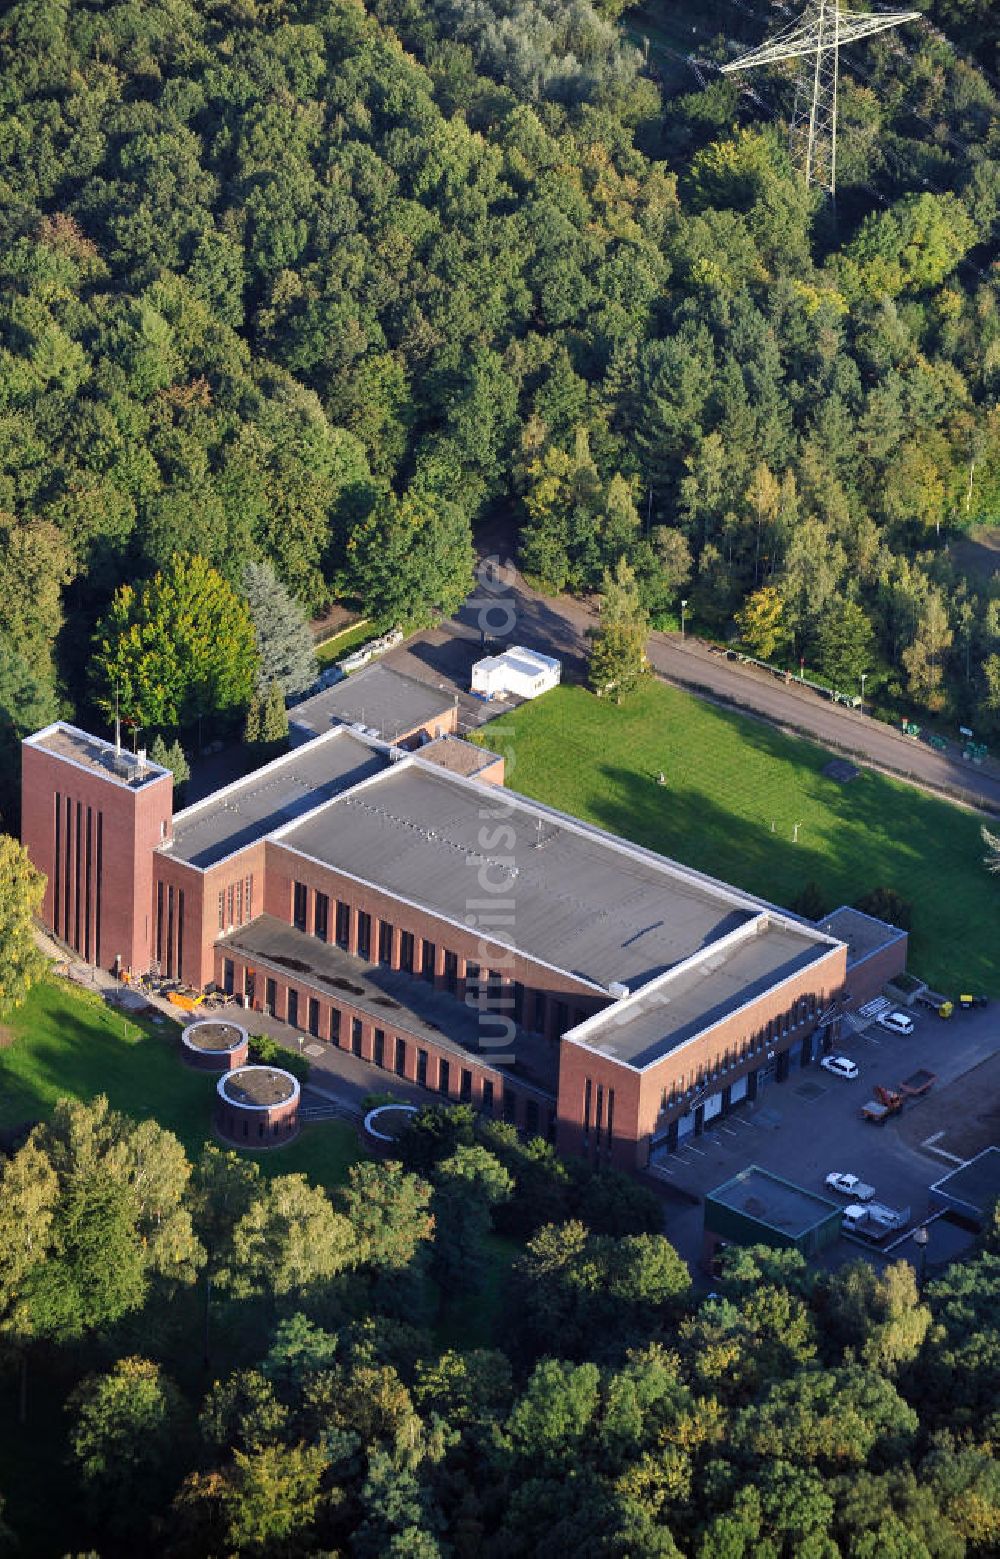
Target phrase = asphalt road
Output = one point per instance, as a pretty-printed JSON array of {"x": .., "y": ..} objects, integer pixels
[{"x": 511, "y": 612}]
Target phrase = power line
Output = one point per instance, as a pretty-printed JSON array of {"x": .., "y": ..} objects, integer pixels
[{"x": 817, "y": 40}]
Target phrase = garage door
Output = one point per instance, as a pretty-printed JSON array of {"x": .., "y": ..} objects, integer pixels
[
  {"x": 685, "y": 1126},
  {"x": 713, "y": 1107},
  {"x": 738, "y": 1090}
]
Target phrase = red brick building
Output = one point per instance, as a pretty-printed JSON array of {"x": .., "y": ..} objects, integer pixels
[{"x": 441, "y": 928}]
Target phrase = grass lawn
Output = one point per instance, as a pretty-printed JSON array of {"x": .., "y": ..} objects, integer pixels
[
  {"x": 67, "y": 1042},
  {"x": 343, "y": 643},
  {"x": 735, "y": 789}
]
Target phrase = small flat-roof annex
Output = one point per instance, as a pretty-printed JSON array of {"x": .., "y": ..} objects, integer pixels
[
  {"x": 378, "y": 698},
  {"x": 863, "y": 934},
  {"x": 768, "y": 1199}
]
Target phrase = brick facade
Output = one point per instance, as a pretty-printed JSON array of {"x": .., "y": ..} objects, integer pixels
[
  {"x": 643, "y": 1102},
  {"x": 93, "y": 837},
  {"x": 113, "y": 893}
]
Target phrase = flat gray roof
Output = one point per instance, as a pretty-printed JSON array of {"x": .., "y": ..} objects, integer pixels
[
  {"x": 566, "y": 894},
  {"x": 863, "y": 934},
  {"x": 93, "y": 753},
  {"x": 261, "y": 802},
  {"x": 772, "y": 1201},
  {"x": 377, "y": 697},
  {"x": 393, "y": 999},
  {"x": 690, "y": 1000}
]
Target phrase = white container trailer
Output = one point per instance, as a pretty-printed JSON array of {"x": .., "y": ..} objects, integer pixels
[{"x": 519, "y": 672}]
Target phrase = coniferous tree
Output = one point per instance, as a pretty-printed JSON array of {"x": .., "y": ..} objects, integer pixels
[
  {"x": 284, "y": 643},
  {"x": 274, "y": 718}
]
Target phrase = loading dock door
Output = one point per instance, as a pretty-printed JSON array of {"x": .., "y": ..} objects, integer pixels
[
  {"x": 713, "y": 1107},
  {"x": 738, "y": 1090},
  {"x": 685, "y": 1126}
]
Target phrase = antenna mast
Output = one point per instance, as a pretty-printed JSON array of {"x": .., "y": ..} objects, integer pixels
[{"x": 817, "y": 39}]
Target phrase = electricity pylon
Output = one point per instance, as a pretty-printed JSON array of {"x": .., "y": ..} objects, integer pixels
[{"x": 817, "y": 39}]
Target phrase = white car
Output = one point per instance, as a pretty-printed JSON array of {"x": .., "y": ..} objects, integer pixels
[
  {"x": 849, "y": 1185},
  {"x": 896, "y": 1022},
  {"x": 840, "y": 1066}
]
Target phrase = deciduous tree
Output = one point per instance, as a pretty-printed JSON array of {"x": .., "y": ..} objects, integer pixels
[
  {"x": 22, "y": 962},
  {"x": 177, "y": 648}
]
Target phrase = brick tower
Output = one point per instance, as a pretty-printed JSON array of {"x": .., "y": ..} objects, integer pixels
[{"x": 91, "y": 817}]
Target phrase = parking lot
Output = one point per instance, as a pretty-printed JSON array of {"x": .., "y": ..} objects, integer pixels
[{"x": 811, "y": 1124}]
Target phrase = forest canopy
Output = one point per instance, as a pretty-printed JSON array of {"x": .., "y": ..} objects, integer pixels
[{"x": 320, "y": 287}]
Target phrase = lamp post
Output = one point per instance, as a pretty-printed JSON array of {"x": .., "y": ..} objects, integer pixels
[
  {"x": 864, "y": 675},
  {"x": 683, "y": 614},
  {"x": 920, "y": 1239}
]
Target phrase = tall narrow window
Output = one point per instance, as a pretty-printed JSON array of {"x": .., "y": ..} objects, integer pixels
[
  {"x": 400, "y": 1059},
  {"x": 293, "y": 1007},
  {"x": 88, "y": 901},
  {"x": 159, "y": 926},
  {"x": 249, "y": 897},
  {"x": 356, "y": 1031},
  {"x": 180, "y": 933},
  {"x": 450, "y": 971},
  {"x": 76, "y": 875},
  {"x": 300, "y": 902},
  {"x": 313, "y": 1016},
  {"x": 230, "y": 904},
  {"x": 465, "y": 1086},
  {"x": 422, "y": 1068},
  {"x": 68, "y": 883},
  {"x": 378, "y": 1048},
  {"x": 239, "y": 902},
  {"x": 444, "y": 1077},
  {"x": 57, "y": 857},
  {"x": 100, "y": 887},
  {"x": 611, "y": 1115},
  {"x": 364, "y": 934},
  {"x": 222, "y": 911},
  {"x": 587, "y": 1089},
  {"x": 170, "y": 931},
  {"x": 343, "y": 924},
  {"x": 321, "y": 919},
  {"x": 335, "y": 1025},
  {"x": 427, "y": 960},
  {"x": 406, "y": 951},
  {"x": 488, "y": 1095},
  {"x": 384, "y": 942}
]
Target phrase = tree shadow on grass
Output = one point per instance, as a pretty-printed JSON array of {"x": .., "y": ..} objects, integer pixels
[{"x": 880, "y": 835}]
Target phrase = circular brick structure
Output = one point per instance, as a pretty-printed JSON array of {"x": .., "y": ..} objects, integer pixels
[
  {"x": 214, "y": 1046},
  {"x": 257, "y": 1106}
]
